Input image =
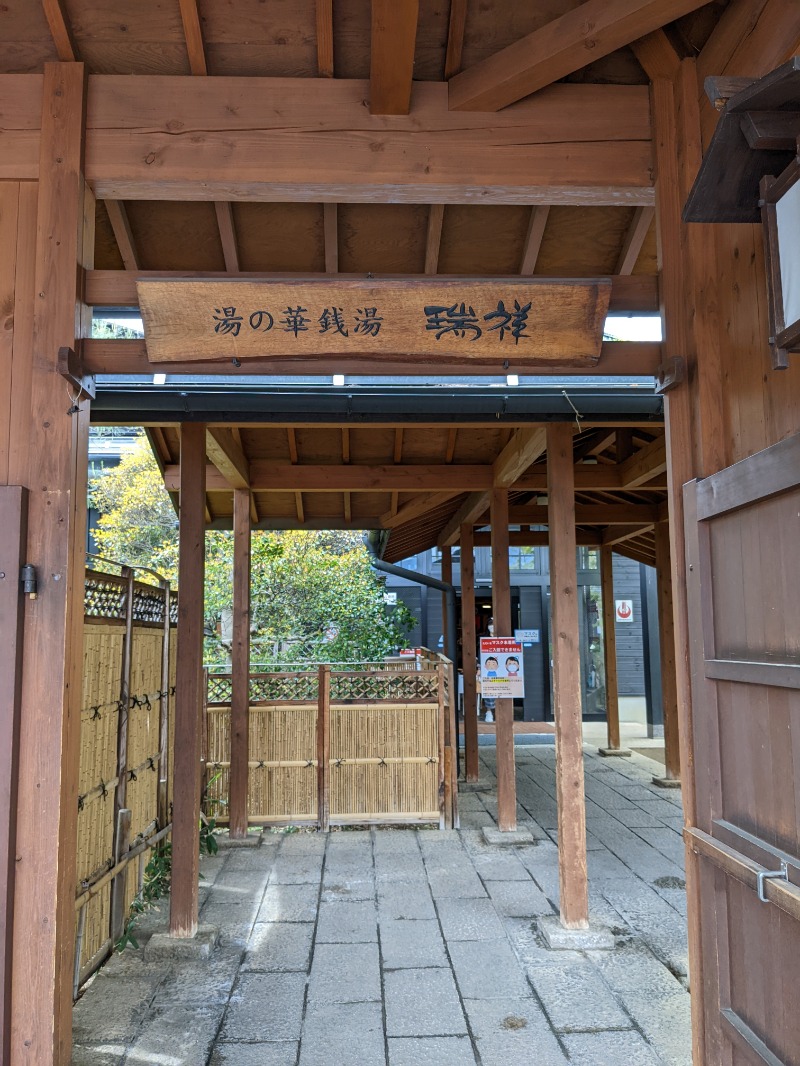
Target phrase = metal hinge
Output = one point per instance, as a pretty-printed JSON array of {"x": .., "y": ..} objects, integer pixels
[{"x": 770, "y": 875}]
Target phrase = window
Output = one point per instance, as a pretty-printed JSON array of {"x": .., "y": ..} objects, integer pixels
[
  {"x": 436, "y": 553},
  {"x": 588, "y": 559},
  {"x": 522, "y": 558}
]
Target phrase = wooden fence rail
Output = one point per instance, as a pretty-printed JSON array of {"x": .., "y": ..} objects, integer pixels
[{"x": 340, "y": 747}]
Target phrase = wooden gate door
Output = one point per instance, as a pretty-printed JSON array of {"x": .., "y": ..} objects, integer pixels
[{"x": 743, "y": 574}]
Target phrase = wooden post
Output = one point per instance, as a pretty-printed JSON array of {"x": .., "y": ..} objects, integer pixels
[
  {"x": 188, "y": 683},
  {"x": 13, "y": 522},
  {"x": 447, "y": 577},
  {"x": 62, "y": 240},
  {"x": 666, "y": 639},
  {"x": 163, "y": 717},
  {"x": 324, "y": 747},
  {"x": 504, "y": 709},
  {"x": 573, "y": 882},
  {"x": 468, "y": 656},
  {"x": 610, "y": 652},
  {"x": 441, "y": 721},
  {"x": 240, "y": 667},
  {"x": 122, "y": 825}
]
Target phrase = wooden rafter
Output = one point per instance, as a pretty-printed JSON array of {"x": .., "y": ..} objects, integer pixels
[
  {"x": 324, "y": 18},
  {"x": 595, "y": 28},
  {"x": 330, "y": 219},
  {"x": 533, "y": 239},
  {"x": 620, "y": 534},
  {"x": 452, "y": 436},
  {"x": 345, "y": 445},
  {"x": 227, "y": 234},
  {"x": 237, "y": 437},
  {"x": 298, "y": 496},
  {"x": 634, "y": 239},
  {"x": 644, "y": 464},
  {"x": 592, "y": 514},
  {"x": 60, "y": 30},
  {"x": 415, "y": 508},
  {"x": 455, "y": 38},
  {"x": 394, "y": 38},
  {"x": 397, "y": 456},
  {"x": 118, "y": 217},
  {"x": 657, "y": 57},
  {"x": 433, "y": 239},
  {"x": 228, "y": 458},
  {"x": 523, "y": 449},
  {"x": 476, "y": 504},
  {"x": 194, "y": 37}
]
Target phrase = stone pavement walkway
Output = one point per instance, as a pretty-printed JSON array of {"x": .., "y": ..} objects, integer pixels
[{"x": 419, "y": 948}]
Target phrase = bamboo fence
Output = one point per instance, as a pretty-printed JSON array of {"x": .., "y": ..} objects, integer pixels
[
  {"x": 127, "y": 703},
  {"x": 342, "y": 747}
]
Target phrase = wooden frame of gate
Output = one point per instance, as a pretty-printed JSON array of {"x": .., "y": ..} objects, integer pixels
[{"x": 743, "y": 590}]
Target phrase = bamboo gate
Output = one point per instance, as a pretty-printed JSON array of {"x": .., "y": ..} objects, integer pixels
[
  {"x": 124, "y": 801},
  {"x": 328, "y": 746}
]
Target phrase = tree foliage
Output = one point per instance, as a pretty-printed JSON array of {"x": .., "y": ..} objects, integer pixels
[{"x": 313, "y": 593}]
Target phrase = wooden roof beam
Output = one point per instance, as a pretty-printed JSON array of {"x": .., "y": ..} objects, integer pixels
[
  {"x": 533, "y": 239},
  {"x": 657, "y": 57},
  {"x": 645, "y": 464},
  {"x": 228, "y": 458},
  {"x": 227, "y": 235},
  {"x": 330, "y": 223},
  {"x": 433, "y": 239},
  {"x": 614, "y": 535},
  {"x": 634, "y": 239},
  {"x": 193, "y": 36},
  {"x": 593, "y": 29},
  {"x": 415, "y": 508},
  {"x": 394, "y": 39},
  {"x": 590, "y": 514},
  {"x": 524, "y": 448},
  {"x": 298, "y": 496},
  {"x": 60, "y": 30},
  {"x": 475, "y": 505},
  {"x": 118, "y": 217},
  {"x": 455, "y": 38},
  {"x": 324, "y": 17}
]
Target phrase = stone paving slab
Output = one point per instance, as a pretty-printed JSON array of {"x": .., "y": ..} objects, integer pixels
[{"x": 410, "y": 947}]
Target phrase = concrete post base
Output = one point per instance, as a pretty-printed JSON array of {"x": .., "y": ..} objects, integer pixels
[
  {"x": 252, "y": 840},
  {"x": 512, "y": 839},
  {"x": 608, "y": 753},
  {"x": 596, "y": 938},
  {"x": 162, "y": 946},
  {"x": 667, "y": 782}
]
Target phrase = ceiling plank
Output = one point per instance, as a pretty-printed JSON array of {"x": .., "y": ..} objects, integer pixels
[
  {"x": 592, "y": 30},
  {"x": 348, "y": 510},
  {"x": 433, "y": 239},
  {"x": 60, "y": 30},
  {"x": 533, "y": 240},
  {"x": 345, "y": 445},
  {"x": 471, "y": 509},
  {"x": 194, "y": 37},
  {"x": 118, "y": 218},
  {"x": 455, "y": 38},
  {"x": 227, "y": 234},
  {"x": 657, "y": 57},
  {"x": 330, "y": 219},
  {"x": 394, "y": 39},
  {"x": 415, "y": 508},
  {"x": 324, "y": 15},
  {"x": 634, "y": 239},
  {"x": 524, "y": 448},
  {"x": 227, "y": 456},
  {"x": 292, "y": 439}
]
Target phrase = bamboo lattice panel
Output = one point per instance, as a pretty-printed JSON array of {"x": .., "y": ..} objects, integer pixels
[
  {"x": 384, "y": 762},
  {"x": 284, "y": 734}
]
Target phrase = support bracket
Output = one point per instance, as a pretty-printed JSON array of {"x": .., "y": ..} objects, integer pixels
[
  {"x": 70, "y": 367},
  {"x": 766, "y": 875},
  {"x": 669, "y": 374}
]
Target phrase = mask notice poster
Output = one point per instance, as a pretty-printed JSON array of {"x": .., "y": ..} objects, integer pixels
[{"x": 502, "y": 671}]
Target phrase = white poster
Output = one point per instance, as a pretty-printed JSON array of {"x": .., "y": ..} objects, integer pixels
[
  {"x": 502, "y": 668},
  {"x": 624, "y": 610}
]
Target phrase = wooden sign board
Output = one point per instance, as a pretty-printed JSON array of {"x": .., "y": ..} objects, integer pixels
[{"x": 520, "y": 321}]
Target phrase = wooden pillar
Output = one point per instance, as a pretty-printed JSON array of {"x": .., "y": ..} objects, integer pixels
[
  {"x": 188, "y": 683},
  {"x": 447, "y": 577},
  {"x": 53, "y": 433},
  {"x": 573, "y": 882},
  {"x": 468, "y": 656},
  {"x": 610, "y": 652},
  {"x": 13, "y": 523},
  {"x": 240, "y": 666},
  {"x": 666, "y": 637},
  {"x": 504, "y": 709}
]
